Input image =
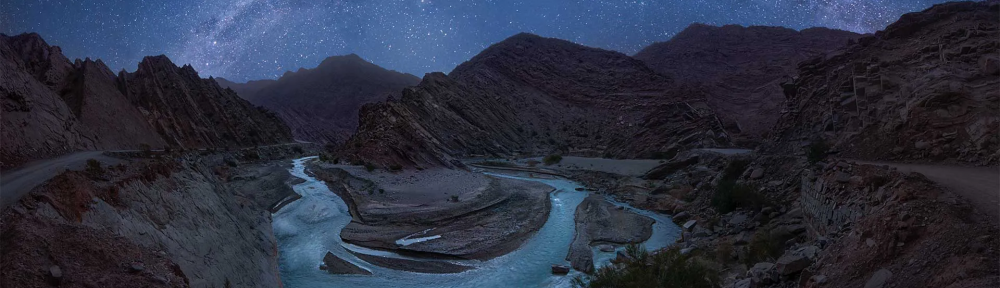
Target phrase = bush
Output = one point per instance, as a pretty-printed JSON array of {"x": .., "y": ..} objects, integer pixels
[
  {"x": 817, "y": 151},
  {"x": 665, "y": 269},
  {"x": 94, "y": 168},
  {"x": 395, "y": 167},
  {"x": 369, "y": 166},
  {"x": 764, "y": 246},
  {"x": 496, "y": 163},
  {"x": 454, "y": 198},
  {"x": 552, "y": 159},
  {"x": 730, "y": 195}
]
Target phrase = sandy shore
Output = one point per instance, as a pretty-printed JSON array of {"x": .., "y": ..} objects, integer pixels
[{"x": 437, "y": 267}]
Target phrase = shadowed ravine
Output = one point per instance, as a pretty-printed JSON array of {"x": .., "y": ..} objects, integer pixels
[{"x": 306, "y": 229}]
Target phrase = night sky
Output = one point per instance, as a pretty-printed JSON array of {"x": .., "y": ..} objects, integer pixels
[{"x": 254, "y": 39}]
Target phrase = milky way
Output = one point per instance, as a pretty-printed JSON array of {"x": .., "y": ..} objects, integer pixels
[{"x": 255, "y": 39}]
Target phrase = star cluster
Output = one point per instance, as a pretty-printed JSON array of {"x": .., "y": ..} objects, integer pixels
[{"x": 254, "y": 39}]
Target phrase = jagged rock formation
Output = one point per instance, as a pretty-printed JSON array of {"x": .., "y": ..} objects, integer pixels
[
  {"x": 321, "y": 104},
  {"x": 741, "y": 68},
  {"x": 533, "y": 95},
  {"x": 925, "y": 88},
  {"x": 52, "y": 106}
]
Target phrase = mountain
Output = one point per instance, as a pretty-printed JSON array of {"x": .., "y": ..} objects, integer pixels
[
  {"x": 924, "y": 89},
  {"x": 53, "y": 106},
  {"x": 321, "y": 104},
  {"x": 741, "y": 68},
  {"x": 535, "y": 95}
]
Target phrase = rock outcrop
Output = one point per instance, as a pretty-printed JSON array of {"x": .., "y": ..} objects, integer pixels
[
  {"x": 923, "y": 89},
  {"x": 534, "y": 95},
  {"x": 52, "y": 106},
  {"x": 321, "y": 105},
  {"x": 150, "y": 223},
  {"x": 741, "y": 69}
]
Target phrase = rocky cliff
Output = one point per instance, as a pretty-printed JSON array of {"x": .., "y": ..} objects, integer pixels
[
  {"x": 740, "y": 69},
  {"x": 151, "y": 223},
  {"x": 534, "y": 95},
  {"x": 321, "y": 104},
  {"x": 924, "y": 89},
  {"x": 52, "y": 106}
]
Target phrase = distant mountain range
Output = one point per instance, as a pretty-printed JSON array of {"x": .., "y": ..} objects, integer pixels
[{"x": 321, "y": 104}]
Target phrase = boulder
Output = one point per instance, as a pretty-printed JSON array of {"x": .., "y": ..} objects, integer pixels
[
  {"x": 335, "y": 265},
  {"x": 990, "y": 65},
  {"x": 790, "y": 264},
  {"x": 682, "y": 216},
  {"x": 843, "y": 177},
  {"x": 757, "y": 173},
  {"x": 55, "y": 275},
  {"x": 560, "y": 269},
  {"x": 689, "y": 224},
  {"x": 743, "y": 283},
  {"x": 879, "y": 279},
  {"x": 621, "y": 257},
  {"x": 763, "y": 273},
  {"x": 606, "y": 248}
]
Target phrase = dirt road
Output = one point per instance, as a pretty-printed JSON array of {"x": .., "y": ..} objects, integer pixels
[
  {"x": 979, "y": 185},
  {"x": 16, "y": 183}
]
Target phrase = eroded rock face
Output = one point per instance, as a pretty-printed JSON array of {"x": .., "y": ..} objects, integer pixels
[
  {"x": 321, "y": 105},
  {"x": 741, "y": 69},
  {"x": 916, "y": 91},
  {"x": 52, "y": 106},
  {"x": 529, "y": 94}
]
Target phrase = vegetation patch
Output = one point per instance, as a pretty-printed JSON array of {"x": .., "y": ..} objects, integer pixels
[
  {"x": 818, "y": 150},
  {"x": 667, "y": 268},
  {"x": 730, "y": 195},
  {"x": 552, "y": 159}
]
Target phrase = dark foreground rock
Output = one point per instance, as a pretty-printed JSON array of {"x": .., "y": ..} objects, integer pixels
[{"x": 335, "y": 265}]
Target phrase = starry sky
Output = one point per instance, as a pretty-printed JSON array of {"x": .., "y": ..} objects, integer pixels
[{"x": 255, "y": 39}]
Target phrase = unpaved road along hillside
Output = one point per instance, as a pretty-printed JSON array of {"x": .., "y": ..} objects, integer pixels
[{"x": 980, "y": 185}]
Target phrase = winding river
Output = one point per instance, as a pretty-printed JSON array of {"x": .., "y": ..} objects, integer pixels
[{"x": 309, "y": 227}]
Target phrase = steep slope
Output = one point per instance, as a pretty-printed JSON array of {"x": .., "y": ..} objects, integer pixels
[
  {"x": 741, "y": 68},
  {"x": 321, "y": 104},
  {"x": 52, "y": 106},
  {"x": 925, "y": 89},
  {"x": 534, "y": 95}
]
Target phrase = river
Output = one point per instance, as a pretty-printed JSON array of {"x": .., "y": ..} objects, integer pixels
[{"x": 309, "y": 227}]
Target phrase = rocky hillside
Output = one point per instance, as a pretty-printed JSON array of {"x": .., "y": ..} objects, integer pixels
[
  {"x": 52, "y": 106},
  {"x": 535, "y": 95},
  {"x": 741, "y": 68},
  {"x": 924, "y": 89},
  {"x": 321, "y": 104}
]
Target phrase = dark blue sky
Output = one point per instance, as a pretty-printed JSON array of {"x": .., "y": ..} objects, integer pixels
[{"x": 253, "y": 39}]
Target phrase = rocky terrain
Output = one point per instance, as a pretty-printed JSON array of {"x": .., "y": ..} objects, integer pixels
[
  {"x": 600, "y": 222},
  {"x": 741, "y": 69},
  {"x": 52, "y": 106},
  {"x": 151, "y": 222},
  {"x": 534, "y": 95},
  {"x": 924, "y": 89},
  {"x": 321, "y": 104}
]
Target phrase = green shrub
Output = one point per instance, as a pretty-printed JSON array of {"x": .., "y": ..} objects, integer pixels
[
  {"x": 552, "y": 159},
  {"x": 764, "y": 246},
  {"x": 369, "y": 166},
  {"x": 665, "y": 269},
  {"x": 454, "y": 198},
  {"x": 730, "y": 195},
  {"x": 395, "y": 167},
  {"x": 817, "y": 151},
  {"x": 94, "y": 168}
]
